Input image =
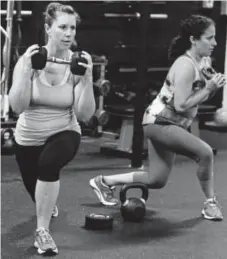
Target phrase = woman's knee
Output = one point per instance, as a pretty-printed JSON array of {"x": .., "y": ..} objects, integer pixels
[
  {"x": 158, "y": 180},
  {"x": 206, "y": 155},
  {"x": 157, "y": 184}
]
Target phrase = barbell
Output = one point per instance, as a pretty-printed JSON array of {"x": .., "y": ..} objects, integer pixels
[{"x": 40, "y": 59}]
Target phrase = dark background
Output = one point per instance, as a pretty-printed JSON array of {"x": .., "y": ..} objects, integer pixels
[{"x": 118, "y": 38}]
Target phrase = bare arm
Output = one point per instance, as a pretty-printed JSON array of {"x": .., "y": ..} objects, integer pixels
[
  {"x": 84, "y": 100},
  {"x": 184, "y": 97},
  {"x": 20, "y": 92}
]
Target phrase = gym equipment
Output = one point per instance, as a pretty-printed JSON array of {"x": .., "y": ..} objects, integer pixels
[
  {"x": 101, "y": 117},
  {"x": 123, "y": 146},
  {"x": 102, "y": 86},
  {"x": 220, "y": 117},
  {"x": 6, "y": 57},
  {"x": 98, "y": 222},
  {"x": 6, "y": 136},
  {"x": 133, "y": 209},
  {"x": 7, "y": 142},
  {"x": 135, "y": 15},
  {"x": 39, "y": 61}
]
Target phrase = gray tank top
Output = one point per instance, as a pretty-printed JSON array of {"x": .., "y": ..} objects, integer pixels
[{"x": 50, "y": 111}]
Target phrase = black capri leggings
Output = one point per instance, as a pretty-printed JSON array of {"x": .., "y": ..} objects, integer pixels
[{"x": 45, "y": 162}]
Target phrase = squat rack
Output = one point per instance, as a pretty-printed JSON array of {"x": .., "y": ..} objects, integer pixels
[{"x": 6, "y": 54}]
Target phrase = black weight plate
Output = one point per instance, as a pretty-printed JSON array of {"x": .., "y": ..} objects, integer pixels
[{"x": 95, "y": 221}]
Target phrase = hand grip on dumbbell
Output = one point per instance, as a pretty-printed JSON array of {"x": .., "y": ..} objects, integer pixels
[
  {"x": 208, "y": 72},
  {"x": 40, "y": 59}
]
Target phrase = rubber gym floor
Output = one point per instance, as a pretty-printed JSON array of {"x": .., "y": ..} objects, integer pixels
[{"x": 172, "y": 228}]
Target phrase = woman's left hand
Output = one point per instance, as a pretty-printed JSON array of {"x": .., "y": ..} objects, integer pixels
[{"x": 88, "y": 66}]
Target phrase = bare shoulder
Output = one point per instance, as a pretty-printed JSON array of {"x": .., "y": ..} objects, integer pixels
[
  {"x": 183, "y": 66},
  {"x": 183, "y": 63}
]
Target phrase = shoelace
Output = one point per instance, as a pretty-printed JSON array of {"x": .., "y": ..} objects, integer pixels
[
  {"x": 45, "y": 237},
  {"x": 212, "y": 201},
  {"x": 110, "y": 191}
]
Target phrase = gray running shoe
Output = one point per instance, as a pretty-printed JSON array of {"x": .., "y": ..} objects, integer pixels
[{"x": 103, "y": 191}]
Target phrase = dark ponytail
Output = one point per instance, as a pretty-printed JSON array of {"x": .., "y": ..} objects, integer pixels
[{"x": 177, "y": 47}]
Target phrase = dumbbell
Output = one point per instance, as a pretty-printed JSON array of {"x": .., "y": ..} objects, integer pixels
[
  {"x": 102, "y": 86},
  {"x": 101, "y": 117},
  {"x": 6, "y": 137},
  {"x": 209, "y": 72},
  {"x": 40, "y": 59}
]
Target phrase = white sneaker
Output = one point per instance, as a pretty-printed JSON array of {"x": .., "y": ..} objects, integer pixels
[
  {"x": 44, "y": 242},
  {"x": 212, "y": 210},
  {"x": 55, "y": 212}
]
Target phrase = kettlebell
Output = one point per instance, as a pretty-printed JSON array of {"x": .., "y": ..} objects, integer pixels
[{"x": 133, "y": 209}]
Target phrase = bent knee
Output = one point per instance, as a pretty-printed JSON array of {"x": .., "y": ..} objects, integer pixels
[
  {"x": 156, "y": 183},
  {"x": 206, "y": 155}
]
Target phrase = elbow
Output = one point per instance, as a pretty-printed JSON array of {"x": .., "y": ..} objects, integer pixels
[
  {"x": 181, "y": 108},
  {"x": 85, "y": 115},
  {"x": 17, "y": 108}
]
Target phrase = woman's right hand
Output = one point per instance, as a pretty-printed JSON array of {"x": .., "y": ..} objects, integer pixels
[
  {"x": 27, "y": 62},
  {"x": 217, "y": 81}
]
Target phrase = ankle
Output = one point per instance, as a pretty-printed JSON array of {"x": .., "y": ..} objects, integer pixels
[
  {"x": 41, "y": 228},
  {"x": 105, "y": 181}
]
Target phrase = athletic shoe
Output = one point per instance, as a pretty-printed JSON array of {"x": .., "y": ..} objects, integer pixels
[
  {"x": 103, "y": 191},
  {"x": 212, "y": 210},
  {"x": 44, "y": 242},
  {"x": 55, "y": 212}
]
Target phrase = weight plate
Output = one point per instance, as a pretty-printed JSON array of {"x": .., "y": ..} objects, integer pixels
[{"x": 95, "y": 221}]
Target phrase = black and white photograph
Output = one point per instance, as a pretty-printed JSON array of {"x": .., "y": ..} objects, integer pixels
[{"x": 113, "y": 129}]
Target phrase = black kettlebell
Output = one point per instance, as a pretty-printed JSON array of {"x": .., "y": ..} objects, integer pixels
[{"x": 133, "y": 209}]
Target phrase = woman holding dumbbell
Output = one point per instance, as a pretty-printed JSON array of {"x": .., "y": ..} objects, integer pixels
[
  {"x": 167, "y": 118},
  {"x": 50, "y": 103}
]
